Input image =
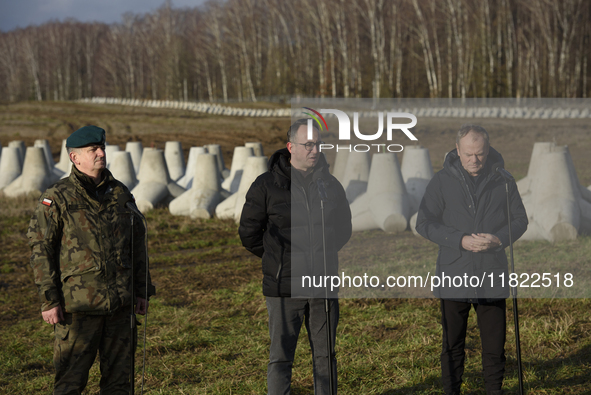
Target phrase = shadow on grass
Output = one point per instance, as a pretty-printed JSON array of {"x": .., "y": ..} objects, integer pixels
[{"x": 550, "y": 375}]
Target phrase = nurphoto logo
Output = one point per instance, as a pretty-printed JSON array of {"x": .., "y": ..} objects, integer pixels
[{"x": 345, "y": 129}]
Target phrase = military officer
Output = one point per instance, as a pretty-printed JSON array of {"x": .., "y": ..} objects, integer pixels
[{"x": 81, "y": 242}]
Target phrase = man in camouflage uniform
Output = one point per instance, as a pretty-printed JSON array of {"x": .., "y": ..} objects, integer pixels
[{"x": 81, "y": 242}]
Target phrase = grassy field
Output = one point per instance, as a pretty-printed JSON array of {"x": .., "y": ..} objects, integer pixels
[{"x": 207, "y": 328}]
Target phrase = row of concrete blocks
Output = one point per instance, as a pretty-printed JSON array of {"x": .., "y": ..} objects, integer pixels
[
  {"x": 476, "y": 112},
  {"x": 155, "y": 177},
  {"x": 382, "y": 194},
  {"x": 385, "y": 196},
  {"x": 214, "y": 109},
  {"x": 512, "y": 112}
]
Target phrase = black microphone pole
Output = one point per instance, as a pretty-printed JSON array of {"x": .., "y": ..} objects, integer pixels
[
  {"x": 128, "y": 203},
  {"x": 132, "y": 315},
  {"x": 508, "y": 178},
  {"x": 323, "y": 198}
]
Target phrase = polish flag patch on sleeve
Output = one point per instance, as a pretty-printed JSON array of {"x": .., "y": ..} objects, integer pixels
[{"x": 47, "y": 202}]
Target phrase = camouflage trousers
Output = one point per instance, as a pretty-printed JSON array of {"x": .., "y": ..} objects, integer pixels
[{"x": 77, "y": 340}]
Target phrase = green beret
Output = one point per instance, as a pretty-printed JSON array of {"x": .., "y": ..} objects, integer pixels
[{"x": 86, "y": 135}]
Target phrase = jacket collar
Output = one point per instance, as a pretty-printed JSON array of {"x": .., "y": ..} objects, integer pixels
[
  {"x": 279, "y": 165},
  {"x": 81, "y": 180},
  {"x": 453, "y": 164}
]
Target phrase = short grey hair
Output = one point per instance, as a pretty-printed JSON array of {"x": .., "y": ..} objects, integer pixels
[
  {"x": 467, "y": 128},
  {"x": 293, "y": 129},
  {"x": 70, "y": 150}
]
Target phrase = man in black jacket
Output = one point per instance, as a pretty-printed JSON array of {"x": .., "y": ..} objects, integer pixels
[
  {"x": 464, "y": 211},
  {"x": 281, "y": 222}
]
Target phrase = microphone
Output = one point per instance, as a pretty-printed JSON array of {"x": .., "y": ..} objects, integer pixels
[
  {"x": 127, "y": 201},
  {"x": 322, "y": 190},
  {"x": 498, "y": 168}
]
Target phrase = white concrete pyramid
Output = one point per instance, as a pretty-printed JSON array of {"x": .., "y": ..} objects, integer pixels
[
  {"x": 386, "y": 204},
  {"x": 201, "y": 200},
  {"x": 186, "y": 181},
  {"x": 10, "y": 165},
  {"x": 136, "y": 149},
  {"x": 257, "y": 148},
  {"x": 340, "y": 163},
  {"x": 21, "y": 148},
  {"x": 65, "y": 164},
  {"x": 232, "y": 183},
  {"x": 35, "y": 177},
  {"x": 175, "y": 160},
  {"x": 122, "y": 168},
  {"x": 110, "y": 149},
  {"x": 231, "y": 208},
  {"x": 43, "y": 143},
  {"x": 416, "y": 171},
  {"x": 356, "y": 174},
  {"x": 155, "y": 186},
  {"x": 216, "y": 149},
  {"x": 558, "y": 207}
]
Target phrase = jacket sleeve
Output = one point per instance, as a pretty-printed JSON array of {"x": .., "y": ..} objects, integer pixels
[
  {"x": 519, "y": 219},
  {"x": 44, "y": 234},
  {"x": 253, "y": 220},
  {"x": 140, "y": 254},
  {"x": 430, "y": 218}
]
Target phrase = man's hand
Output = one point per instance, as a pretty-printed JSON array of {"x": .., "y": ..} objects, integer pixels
[
  {"x": 141, "y": 306},
  {"x": 53, "y": 316},
  {"x": 479, "y": 242}
]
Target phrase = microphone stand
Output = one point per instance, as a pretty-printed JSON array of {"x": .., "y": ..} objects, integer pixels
[
  {"x": 323, "y": 198},
  {"x": 514, "y": 293},
  {"x": 132, "y": 315}
]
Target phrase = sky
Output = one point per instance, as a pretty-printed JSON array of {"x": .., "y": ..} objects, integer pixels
[{"x": 23, "y": 13}]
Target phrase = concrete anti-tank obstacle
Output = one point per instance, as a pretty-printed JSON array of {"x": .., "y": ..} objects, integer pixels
[
  {"x": 558, "y": 207},
  {"x": 186, "y": 181},
  {"x": 43, "y": 143},
  {"x": 35, "y": 176},
  {"x": 385, "y": 204},
  {"x": 216, "y": 149},
  {"x": 122, "y": 168},
  {"x": 257, "y": 148},
  {"x": 232, "y": 183},
  {"x": 65, "y": 164},
  {"x": 201, "y": 200},
  {"x": 110, "y": 149},
  {"x": 356, "y": 174},
  {"x": 255, "y": 166},
  {"x": 175, "y": 161},
  {"x": 22, "y": 148},
  {"x": 340, "y": 163},
  {"x": 10, "y": 166},
  {"x": 416, "y": 171},
  {"x": 155, "y": 186},
  {"x": 136, "y": 150},
  {"x": 232, "y": 206},
  {"x": 557, "y": 199}
]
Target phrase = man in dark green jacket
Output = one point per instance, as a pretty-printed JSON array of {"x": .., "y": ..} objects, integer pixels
[
  {"x": 464, "y": 211},
  {"x": 81, "y": 243}
]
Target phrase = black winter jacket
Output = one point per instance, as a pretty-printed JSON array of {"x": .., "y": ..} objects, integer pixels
[
  {"x": 281, "y": 222},
  {"x": 449, "y": 211}
]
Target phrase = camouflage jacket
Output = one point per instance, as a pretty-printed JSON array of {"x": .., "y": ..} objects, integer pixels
[{"x": 81, "y": 241}]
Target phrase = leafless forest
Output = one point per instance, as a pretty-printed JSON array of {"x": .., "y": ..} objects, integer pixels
[{"x": 249, "y": 50}]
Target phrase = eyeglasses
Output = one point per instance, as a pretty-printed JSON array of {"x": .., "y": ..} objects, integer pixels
[{"x": 310, "y": 145}]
